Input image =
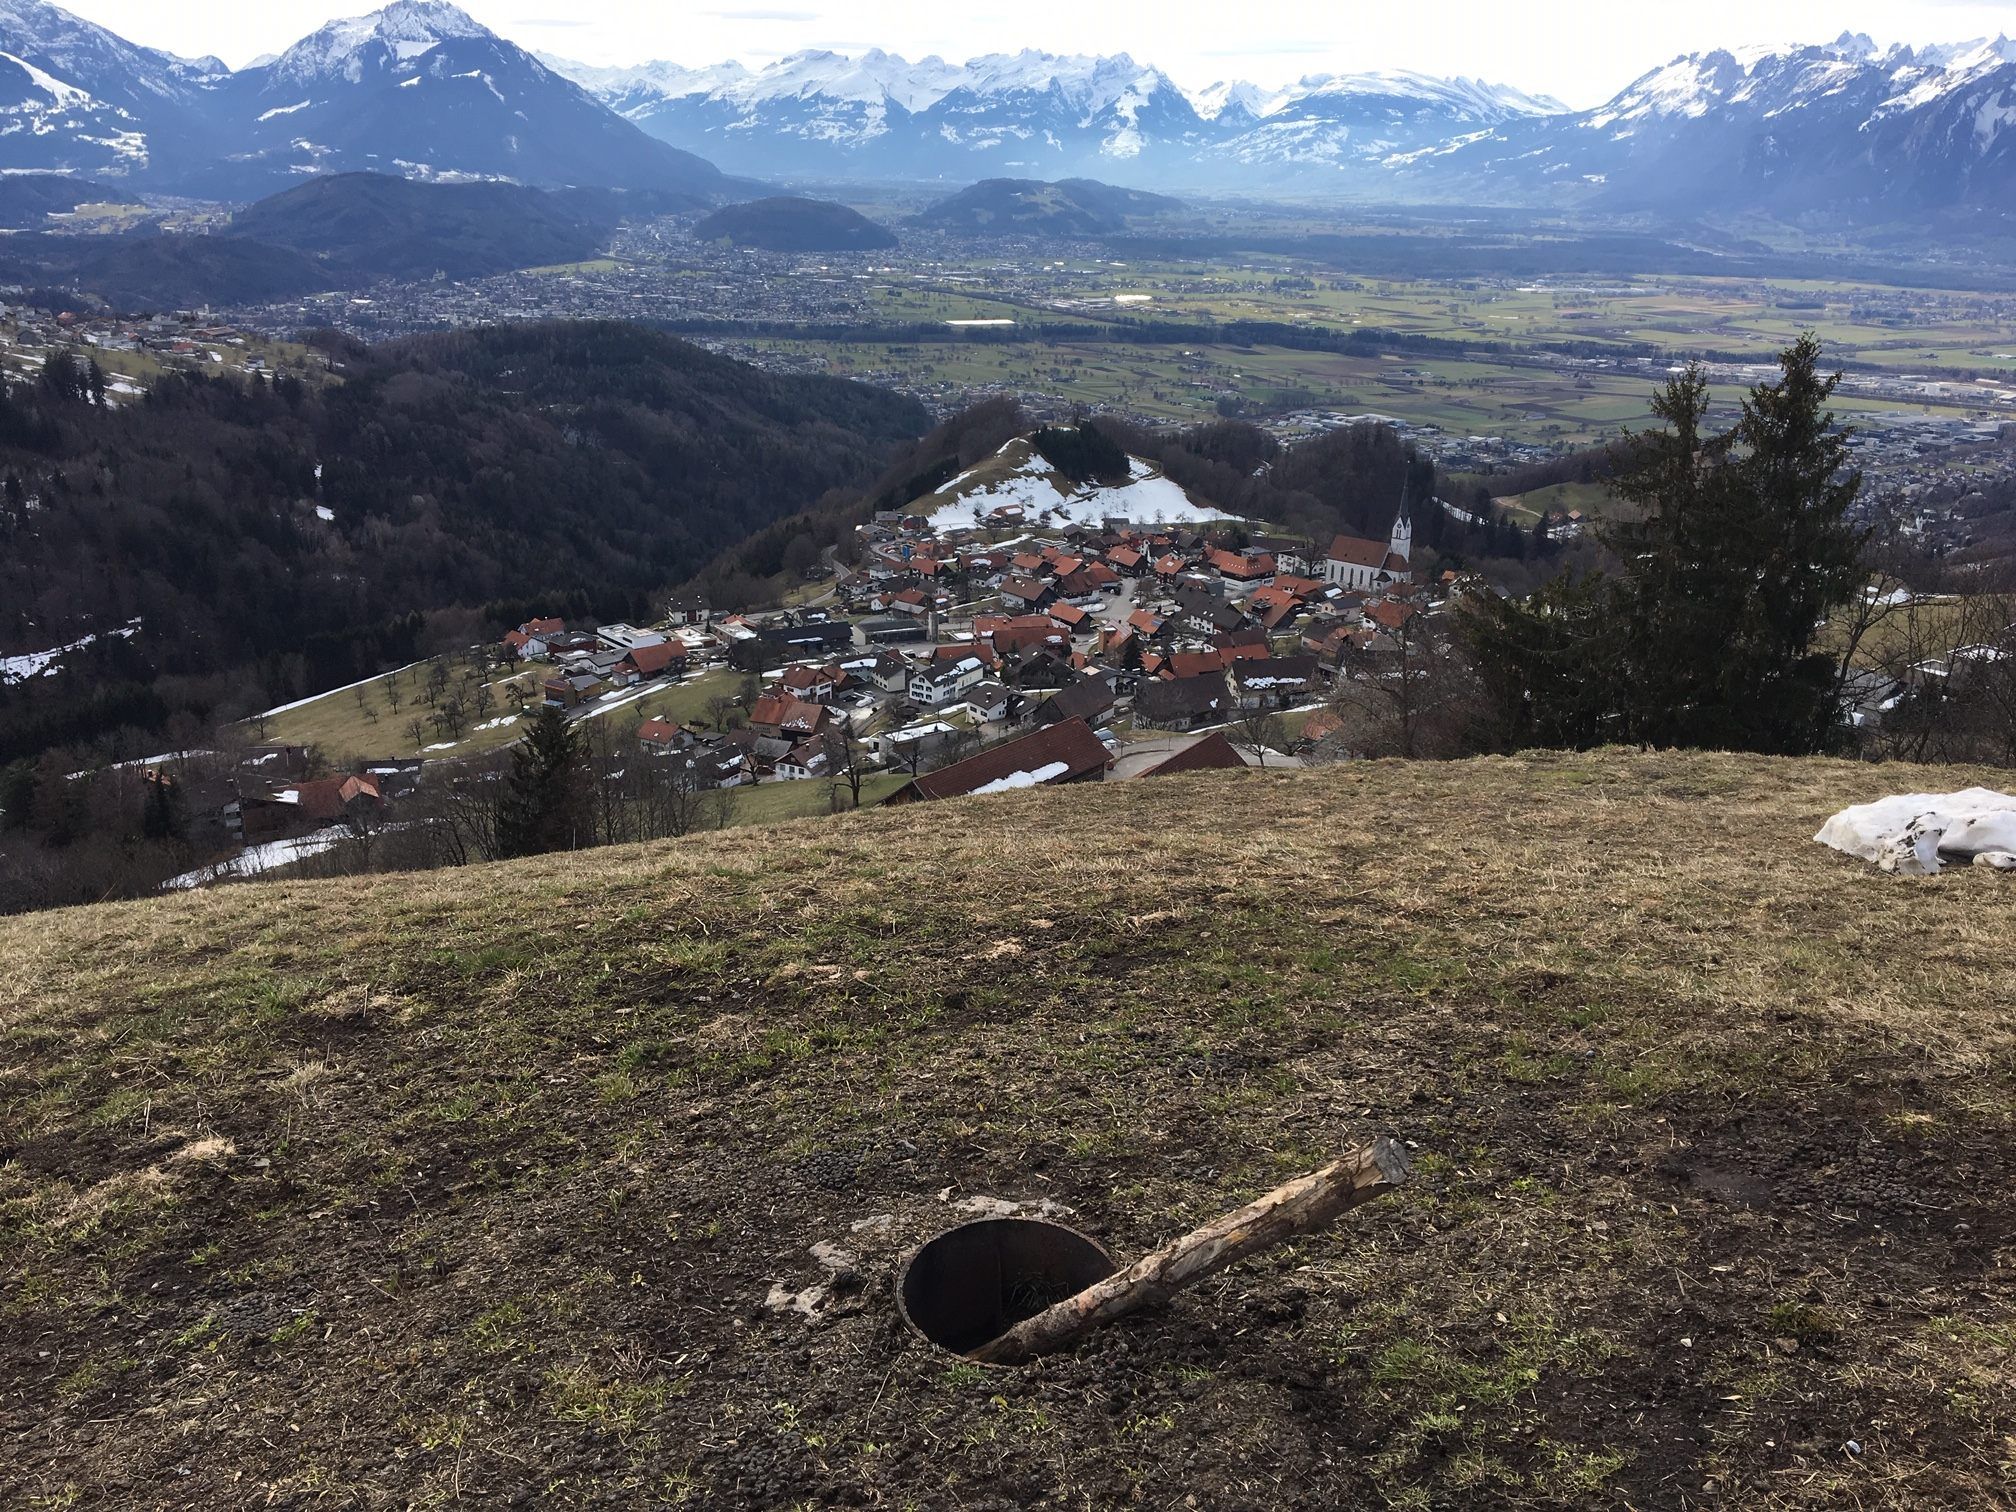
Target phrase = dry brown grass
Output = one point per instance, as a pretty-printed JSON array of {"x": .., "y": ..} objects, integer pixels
[{"x": 1715, "y": 1128}]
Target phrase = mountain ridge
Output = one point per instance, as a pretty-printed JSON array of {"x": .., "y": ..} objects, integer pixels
[
  {"x": 1812, "y": 127},
  {"x": 418, "y": 87},
  {"x": 1041, "y": 114}
]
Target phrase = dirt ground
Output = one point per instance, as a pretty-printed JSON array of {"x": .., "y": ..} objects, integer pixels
[{"x": 501, "y": 1187}]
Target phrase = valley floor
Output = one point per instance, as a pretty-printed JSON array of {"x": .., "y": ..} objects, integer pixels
[{"x": 496, "y": 1184}]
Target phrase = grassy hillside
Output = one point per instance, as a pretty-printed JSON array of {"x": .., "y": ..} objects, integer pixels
[{"x": 476, "y": 1185}]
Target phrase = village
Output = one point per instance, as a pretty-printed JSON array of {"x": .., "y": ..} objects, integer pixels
[{"x": 937, "y": 664}]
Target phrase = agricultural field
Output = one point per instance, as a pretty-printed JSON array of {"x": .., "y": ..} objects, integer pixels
[
  {"x": 375, "y": 718},
  {"x": 1915, "y": 330},
  {"x": 1890, "y": 339},
  {"x": 361, "y": 720},
  {"x": 1594, "y": 500},
  {"x": 1517, "y": 398}
]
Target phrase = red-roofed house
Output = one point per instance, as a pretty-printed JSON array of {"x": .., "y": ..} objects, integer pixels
[
  {"x": 661, "y": 736},
  {"x": 1239, "y": 568},
  {"x": 667, "y": 659}
]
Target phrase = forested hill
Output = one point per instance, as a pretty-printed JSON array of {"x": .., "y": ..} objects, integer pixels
[
  {"x": 276, "y": 538},
  {"x": 788, "y": 224},
  {"x": 366, "y": 226}
]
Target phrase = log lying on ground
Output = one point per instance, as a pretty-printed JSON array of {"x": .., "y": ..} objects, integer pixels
[{"x": 1302, "y": 1206}]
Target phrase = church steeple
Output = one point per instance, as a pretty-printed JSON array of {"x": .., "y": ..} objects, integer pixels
[{"x": 1402, "y": 543}]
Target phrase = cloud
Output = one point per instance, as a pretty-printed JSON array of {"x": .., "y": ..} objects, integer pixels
[
  {"x": 761, "y": 15},
  {"x": 548, "y": 21}
]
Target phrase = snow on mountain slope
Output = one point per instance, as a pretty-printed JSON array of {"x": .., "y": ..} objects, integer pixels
[
  {"x": 422, "y": 89},
  {"x": 75, "y": 97},
  {"x": 417, "y": 88},
  {"x": 1847, "y": 129},
  {"x": 1030, "y": 113},
  {"x": 347, "y": 48}
]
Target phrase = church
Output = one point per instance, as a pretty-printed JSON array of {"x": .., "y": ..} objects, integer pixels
[{"x": 1361, "y": 566}]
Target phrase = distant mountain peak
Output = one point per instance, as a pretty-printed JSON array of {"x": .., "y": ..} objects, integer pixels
[
  {"x": 1857, "y": 47},
  {"x": 404, "y": 31}
]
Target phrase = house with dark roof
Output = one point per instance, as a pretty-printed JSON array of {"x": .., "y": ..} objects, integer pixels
[
  {"x": 1183, "y": 703},
  {"x": 1026, "y": 593},
  {"x": 1090, "y": 698},
  {"x": 1275, "y": 682},
  {"x": 1053, "y": 756}
]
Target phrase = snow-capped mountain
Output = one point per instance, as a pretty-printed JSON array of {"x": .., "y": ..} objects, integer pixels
[
  {"x": 1845, "y": 128},
  {"x": 1849, "y": 130},
  {"x": 418, "y": 88},
  {"x": 1037, "y": 114},
  {"x": 1331, "y": 124},
  {"x": 77, "y": 98},
  {"x": 422, "y": 89}
]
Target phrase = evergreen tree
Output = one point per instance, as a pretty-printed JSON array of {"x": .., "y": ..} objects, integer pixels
[
  {"x": 1808, "y": 559},
  {"x": 163, "y": 817},
  {"x": 1704, "y": 636},
  {"x": 542, "y": 806}
]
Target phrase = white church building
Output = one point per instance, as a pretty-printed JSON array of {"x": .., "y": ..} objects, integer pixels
[{"x": 1361, "y": 566}]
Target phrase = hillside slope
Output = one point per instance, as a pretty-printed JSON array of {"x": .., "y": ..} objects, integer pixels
[
  {"x": 1030, "y": 207},
  {"x": 785, "y": 223},
  {"x": 367, "y": 226},
  {"x": 476, "y": 1184},
  {"x": 446, "y": 472}
]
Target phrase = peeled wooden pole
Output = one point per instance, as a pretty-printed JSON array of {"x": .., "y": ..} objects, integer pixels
[{"x": 1302, "y": 1206}]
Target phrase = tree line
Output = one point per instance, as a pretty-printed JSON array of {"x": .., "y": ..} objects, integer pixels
[{"x": 273, "y": 537}]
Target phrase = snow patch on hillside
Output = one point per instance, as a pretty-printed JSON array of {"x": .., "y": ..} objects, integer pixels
[{"x": 1147, "y": 498}]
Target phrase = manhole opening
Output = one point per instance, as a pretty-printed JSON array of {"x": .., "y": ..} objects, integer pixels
[{"x": 973, "y": 1283}]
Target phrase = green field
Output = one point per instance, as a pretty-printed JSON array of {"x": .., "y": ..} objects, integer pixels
[
  {"x": 362, "y": 722},
  {"x": 1462, "y": 395},
  {"x": 1593, "y": 499},
  {"x": 1521, "y": 389},
  {"x": 774, "y": 802},
  {"x": 563, "y": 270},
  {"x": 1932, "y": 330}
]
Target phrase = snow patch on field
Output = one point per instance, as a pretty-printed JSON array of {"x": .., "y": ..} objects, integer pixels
[{"x": 258, "y": 859}]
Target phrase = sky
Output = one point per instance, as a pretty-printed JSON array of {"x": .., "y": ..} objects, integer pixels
[{"x": 1580, "y": 51}]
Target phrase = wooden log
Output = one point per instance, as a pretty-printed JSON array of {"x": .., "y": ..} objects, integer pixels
[{"x": 1302, "y": 1206}]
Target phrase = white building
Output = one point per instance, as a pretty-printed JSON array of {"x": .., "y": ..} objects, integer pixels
[
  {"x": 1361, "y": 566},
  {"x": 933, "y": 686}
]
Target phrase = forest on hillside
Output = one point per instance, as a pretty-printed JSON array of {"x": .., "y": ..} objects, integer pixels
[{"x": 277, "y": 537}]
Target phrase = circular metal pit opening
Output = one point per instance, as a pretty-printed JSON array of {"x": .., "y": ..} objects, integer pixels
[{"x": 973, "y": 1283}]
